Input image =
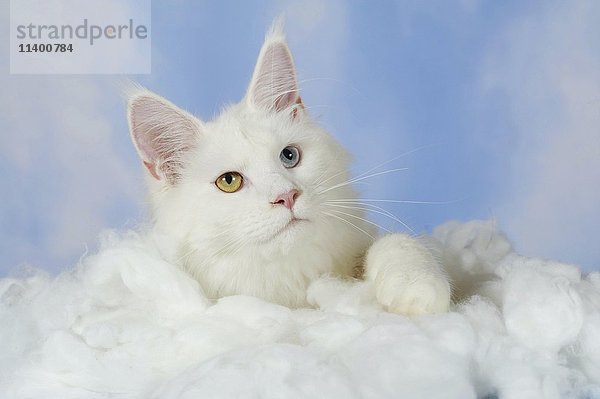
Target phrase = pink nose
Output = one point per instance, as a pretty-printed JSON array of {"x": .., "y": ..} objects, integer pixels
[{"x": 287, "y": 199}]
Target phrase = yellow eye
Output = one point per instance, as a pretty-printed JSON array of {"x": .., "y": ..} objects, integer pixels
[{"x": 229, "y": 182}]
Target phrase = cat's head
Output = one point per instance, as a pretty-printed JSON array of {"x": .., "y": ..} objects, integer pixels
[{"x": 258, "y": 179}]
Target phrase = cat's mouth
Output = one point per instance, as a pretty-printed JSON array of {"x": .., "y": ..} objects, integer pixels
[{"x": 291, "y": 224}]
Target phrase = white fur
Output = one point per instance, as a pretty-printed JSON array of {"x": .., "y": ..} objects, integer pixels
[
  {"x": 407, "y": 278},
  {"x": 241, "y": 243}
]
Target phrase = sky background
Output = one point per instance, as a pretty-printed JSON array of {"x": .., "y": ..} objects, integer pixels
[{"x": 499, "y": 103}]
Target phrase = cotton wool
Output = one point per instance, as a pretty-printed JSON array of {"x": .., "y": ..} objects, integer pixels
[{"x": 126, "y": 324}]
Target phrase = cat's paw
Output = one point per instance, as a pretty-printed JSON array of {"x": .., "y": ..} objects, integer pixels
[
  {"x": 431, "y": 295},
  {"x": 406, "y": 276}
]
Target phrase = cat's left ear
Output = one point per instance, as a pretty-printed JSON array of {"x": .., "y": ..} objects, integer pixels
[
  {"x": 274, "y": 85},
  {"x": 162, "y": 134}
]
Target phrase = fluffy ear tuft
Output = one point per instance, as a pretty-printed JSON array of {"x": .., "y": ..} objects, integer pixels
[
  {"x": 161, "y": 132},
  {"x": 274, "y": 85}
]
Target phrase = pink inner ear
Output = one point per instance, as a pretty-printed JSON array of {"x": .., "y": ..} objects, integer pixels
[
  {"x": 152, "y": 169},
  {"x": 274, "y": 82},
  {"x": 300, "y": 105},
  {"x": 285, "y": 100},
  {"x": 143, "y": 109},
  {"x": 162, "y": 134}
]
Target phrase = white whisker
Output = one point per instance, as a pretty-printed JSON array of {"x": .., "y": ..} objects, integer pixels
[
  {"x": 362, "y": 219},
  {"x": 384, "y": 163},
  {"x": 348, "y": 222},
  {"x": 395, "y": 201},
  {"x": 318, "y": 181},
  {"x": 330, "y": 177},
  {"x": 374, "y": 209},
  {"x": 396, "y": 158},
  {"x": 357, "y": 179}
]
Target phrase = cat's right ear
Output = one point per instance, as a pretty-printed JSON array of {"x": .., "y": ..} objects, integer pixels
[
  {"x": 162, "y": 133},
  {"x": 274, "y": 85}
]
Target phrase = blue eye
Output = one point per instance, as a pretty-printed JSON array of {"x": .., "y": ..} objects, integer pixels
[{"x": 289, "y": 156}]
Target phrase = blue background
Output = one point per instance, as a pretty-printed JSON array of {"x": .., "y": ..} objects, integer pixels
[{"x": 499, "y": 103}]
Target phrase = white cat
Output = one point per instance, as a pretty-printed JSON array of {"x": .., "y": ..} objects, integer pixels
[{"x": 246, "y": 203}]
